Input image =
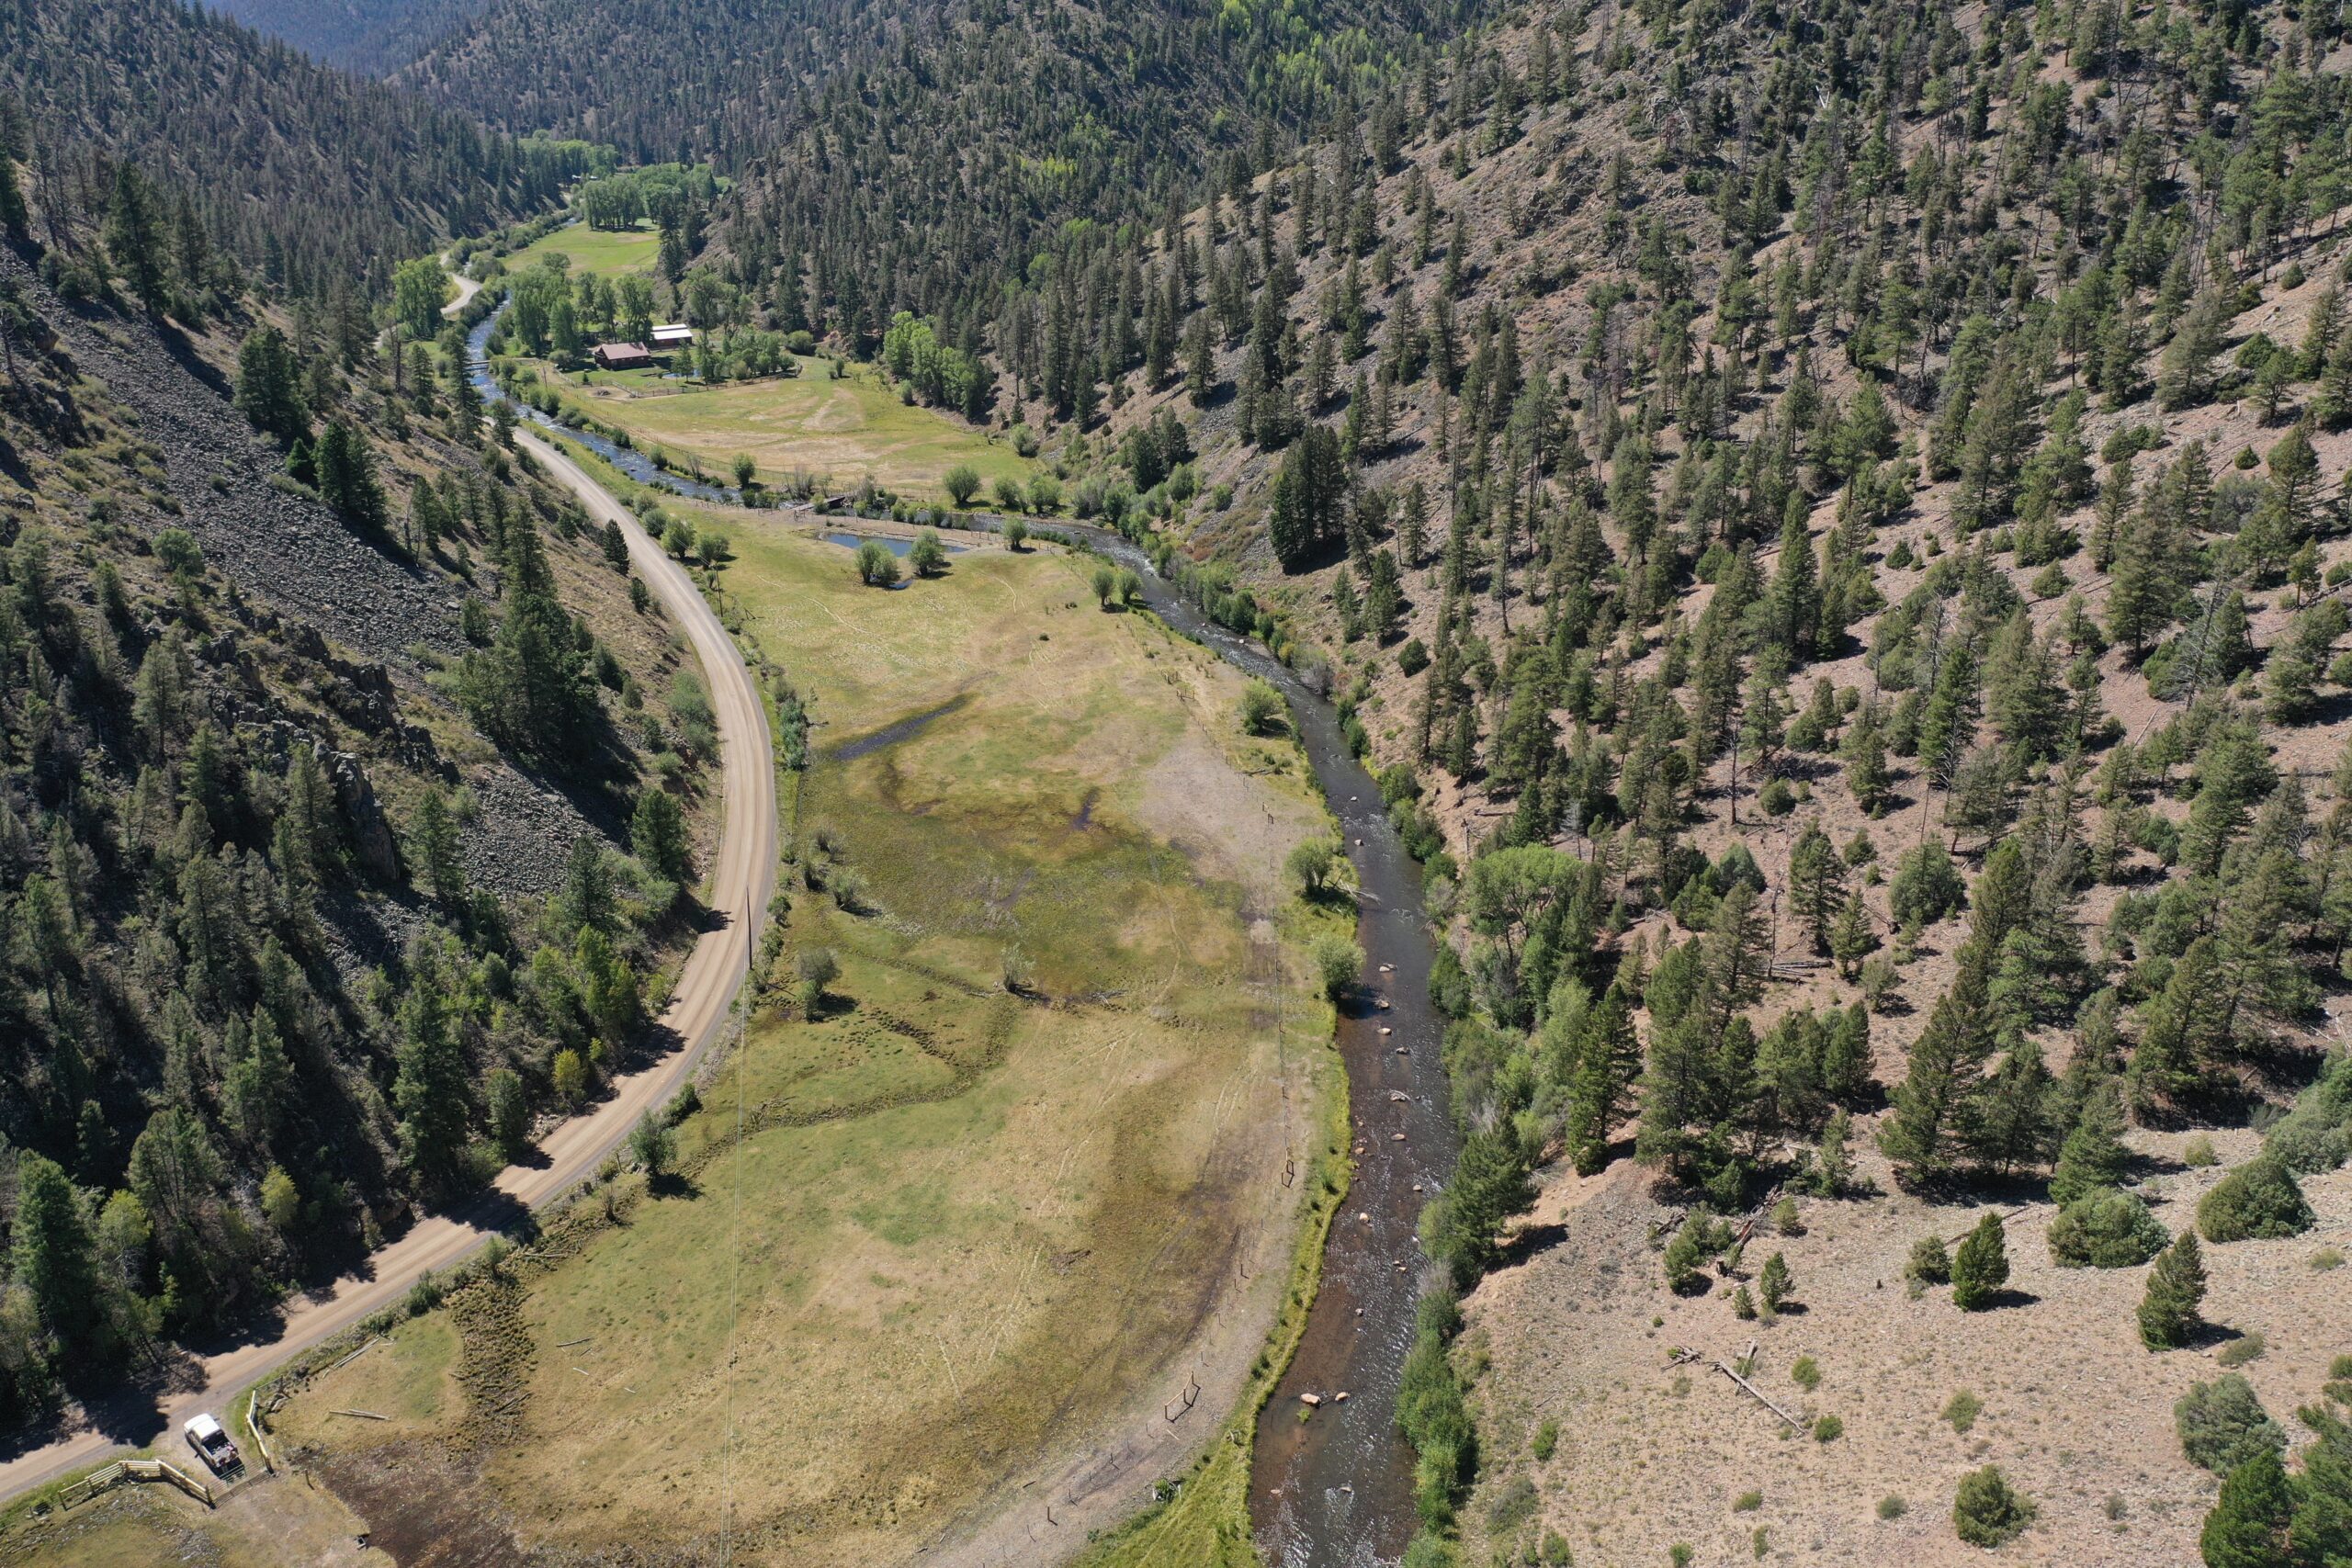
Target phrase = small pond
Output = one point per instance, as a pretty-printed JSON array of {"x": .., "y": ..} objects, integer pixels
[{"x": 890, "y": 542}]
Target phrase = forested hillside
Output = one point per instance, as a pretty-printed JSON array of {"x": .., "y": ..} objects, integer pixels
[
  {"x": 348, "y": 791},
  {"x": 367, "y": 35},
  {"x": 1833, "y": 520},
  {"x": 313, "y": 183},
  {"x": 922, "y": 160}
]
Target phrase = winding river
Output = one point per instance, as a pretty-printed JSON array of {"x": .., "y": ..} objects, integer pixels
[{"x": 1334, "y": 1490}]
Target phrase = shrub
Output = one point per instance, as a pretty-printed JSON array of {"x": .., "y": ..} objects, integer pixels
[
  {"x": 1512, "y": 1506},
  {"x": 1805, "y": 1372},
  {"x": 1785, "y": 1218},
  {"x": 876, "y": 567},
  {"x": 2260, "y": 1200},
  {"x": 1930, "y": 1263},
  {"x": 1961, "y": 1410},
  {"x": 1987, "y": 1511},
  {"x": 1892, "y": 1506},
  {"x": 2223, "y": 1424},
  {"x": 1828, "y": 1429},
  {"x": 1262, "y": 708},
  {"x": 2106, "y": 1230},
  {"x": 1433, "y": 1414},
  {"x": 1547, "y": 1440},
  {"x": 2325, "y": 1258},
  {"x": 1748, "y": 1502},
  {"x": 1776, "y": 798},
  {"x": 1338, "y": 962},
  {"x": 1697, "y": 1241},
  {"x": 1927, "y": 886},
  {"x": 2246, "y": 1347}
]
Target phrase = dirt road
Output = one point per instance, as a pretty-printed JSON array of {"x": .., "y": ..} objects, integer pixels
[{"x": 742, "y": 881}]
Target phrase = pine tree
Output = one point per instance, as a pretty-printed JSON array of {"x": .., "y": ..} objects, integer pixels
[
  {"x": 2094, "y": 1156},
  {"x": 1852, "y": 937},
  {"x": 2007, "y": 1120},
  {"x": 1490, "y": 1185},
  {"x": 1980, "y": 1266},
  {"x": 1864, "y": 753},
  {"x": 269, "y": 386},
  {"x": 657, "y": 833},
  {"x": 2175, "y": 1289},
  {"x": 1922, "y": 1135},
  {"x": 346, "y": 477},
  {"x": 1607, "y": 1060},
  {"x": 438, "y": 852},
  {"x": 1816, "y": 885},
  {"x": 134, "y": 239},
  {"x": 12, "y": 196},
  {"x": 1776, "y": 1285},
  {"x": 2247, "y": 1527},
  {"x": 429, "y": 1081},
  {"x": 54, "y": 1254}
]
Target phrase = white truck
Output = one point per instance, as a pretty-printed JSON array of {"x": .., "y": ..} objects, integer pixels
[{"x": 213, "y": 1445}]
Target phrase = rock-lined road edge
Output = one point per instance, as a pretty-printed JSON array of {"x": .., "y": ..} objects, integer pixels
[{"x": 742, "y": 879}]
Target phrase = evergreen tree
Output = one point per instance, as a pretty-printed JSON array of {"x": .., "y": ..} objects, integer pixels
[
  {"x": 269, "y": 390},
  {"x": 1490, "y": 1185},
  {"x": 1922, "y": 1136},
  {"x": 2168, "y": 1315},
  {"x": 134, "y": 239},
  {"x": 1980, "y": 1266},
  {"x": 346, "y": 477},
  {"x": 1607, "y": 1061},
  {"x": 658, "y": 834},
  {"x": 1816, "y": 884},
  {"x": 2247, "y": 1527},
  {"x": 2094, "y": 1156},
  {"x": 54, "y": 1254},
  {"x": 429, "y": 1082}
]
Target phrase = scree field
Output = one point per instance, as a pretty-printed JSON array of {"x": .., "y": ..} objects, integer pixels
[{"x": 1017, "y": 1178}]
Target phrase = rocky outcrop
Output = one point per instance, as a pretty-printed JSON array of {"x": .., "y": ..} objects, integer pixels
[{"x": 372, "y": 843}]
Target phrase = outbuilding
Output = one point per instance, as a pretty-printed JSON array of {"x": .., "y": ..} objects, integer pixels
[{"x": 677, "y": 334}]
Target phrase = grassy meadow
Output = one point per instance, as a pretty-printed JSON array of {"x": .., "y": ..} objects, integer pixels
[
  {"x": 611, "y": 252},
  {"x": 838, "y": 430},
  {"x": 968, "y": 1236}
]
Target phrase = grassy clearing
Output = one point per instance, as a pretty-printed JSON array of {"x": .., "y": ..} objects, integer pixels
[
  {"x": 841, "y": 430},
  {"x": 975, "y": 1230},
  {"x": 610, "y": 252},
  {"x": 267, "y": 1522}
]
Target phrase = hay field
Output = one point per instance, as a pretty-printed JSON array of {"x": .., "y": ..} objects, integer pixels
[
  {"x": 837, "y": 430},
  {"x": 611, "y": 252}
]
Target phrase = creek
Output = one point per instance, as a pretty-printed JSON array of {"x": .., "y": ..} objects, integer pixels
[{"x": 1335, "y": 1490}]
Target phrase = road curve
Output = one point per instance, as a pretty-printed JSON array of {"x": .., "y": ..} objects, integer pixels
[{"x": 743, "y": 877}]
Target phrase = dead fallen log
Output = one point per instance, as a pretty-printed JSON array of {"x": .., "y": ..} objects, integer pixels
[{"x": 1760, "y": 1398}]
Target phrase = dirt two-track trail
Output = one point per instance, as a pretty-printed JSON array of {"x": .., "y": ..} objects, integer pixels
[{"x": 742, "y": 879}]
